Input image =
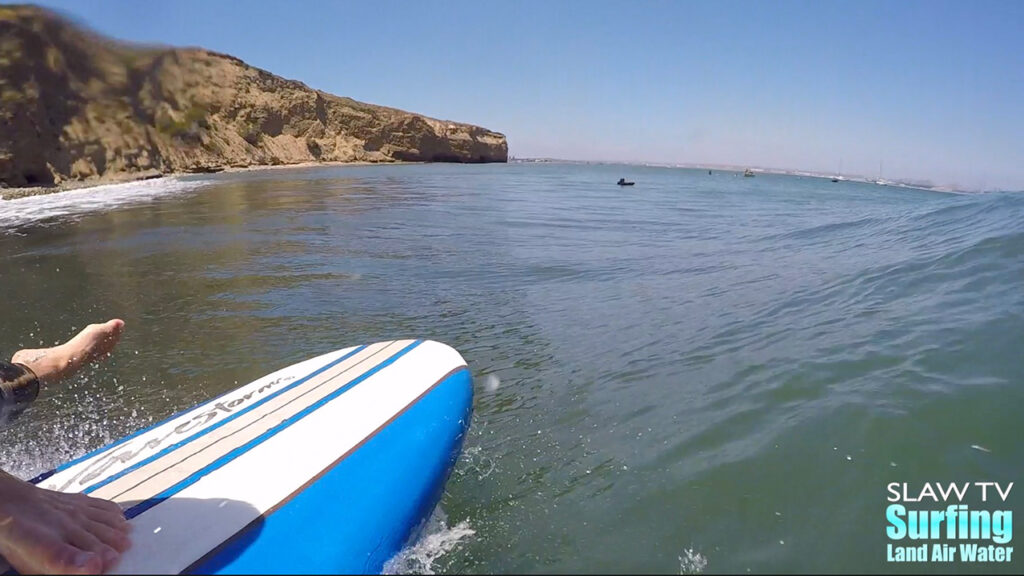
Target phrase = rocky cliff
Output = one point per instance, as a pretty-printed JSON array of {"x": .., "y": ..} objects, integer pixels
[{"x": 75, "y": 106}]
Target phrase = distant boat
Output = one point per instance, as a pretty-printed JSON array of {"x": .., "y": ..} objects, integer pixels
[
  {"x": 839, "y": 175},
  {"x": 748, "y": 173},
  {"x": 880, "y": 181},
  {"x": 622, "y": 182}
]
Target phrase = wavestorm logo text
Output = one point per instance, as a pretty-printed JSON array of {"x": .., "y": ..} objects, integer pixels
[{"x": 938, "y": 526}]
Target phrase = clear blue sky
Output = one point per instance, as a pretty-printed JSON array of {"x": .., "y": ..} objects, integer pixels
[{"x": 934, "y": 89}]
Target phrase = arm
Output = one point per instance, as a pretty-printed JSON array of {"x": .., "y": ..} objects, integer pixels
[{"x": 45, "y": 531}]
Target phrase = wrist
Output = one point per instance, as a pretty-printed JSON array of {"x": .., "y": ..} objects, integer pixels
[{"x": 19, "y": 386}]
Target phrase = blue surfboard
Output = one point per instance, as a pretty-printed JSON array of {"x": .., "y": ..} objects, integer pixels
[{"x": 331, "y": 465}]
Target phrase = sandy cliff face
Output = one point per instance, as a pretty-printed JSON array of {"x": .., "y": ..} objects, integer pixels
[{"x": 74, "y": 106}]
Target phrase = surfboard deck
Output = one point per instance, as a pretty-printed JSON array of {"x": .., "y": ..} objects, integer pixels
[{"x": 327, "y": 466}]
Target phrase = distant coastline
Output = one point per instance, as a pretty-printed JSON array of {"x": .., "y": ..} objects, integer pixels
[{"x": 895, "y": 183}]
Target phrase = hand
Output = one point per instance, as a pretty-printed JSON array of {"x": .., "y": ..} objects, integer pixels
[
  {"x": 93, "y": 343},
  {"x": 42, "y": 531}
]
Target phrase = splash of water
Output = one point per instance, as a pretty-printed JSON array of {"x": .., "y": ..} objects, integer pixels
[
  {"x": 474, "y": 461},
  {"x": 491, "y": 383},
  {"x": 692, "y": 562},
  {"x": 59, "y": 428},
  {"x": 436, "y": 540}
]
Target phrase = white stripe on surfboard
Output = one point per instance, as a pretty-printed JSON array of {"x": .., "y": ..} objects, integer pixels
[
  {"x": 123, "y": 456},
  {"x": 175, "y": 533}
]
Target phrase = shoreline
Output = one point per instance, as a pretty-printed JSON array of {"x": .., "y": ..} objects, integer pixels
[
  {"x": 128, "y": 177},
  {"x": 328, "y": 164}
]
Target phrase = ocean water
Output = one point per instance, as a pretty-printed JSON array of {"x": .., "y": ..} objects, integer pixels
[{"x": 701, "y": 373}]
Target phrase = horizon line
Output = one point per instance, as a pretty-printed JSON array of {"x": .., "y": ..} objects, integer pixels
[{"x": 894, "y": 182}]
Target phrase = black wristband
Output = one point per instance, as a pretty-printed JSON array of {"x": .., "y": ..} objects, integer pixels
[{"x": 19, "y": 386}]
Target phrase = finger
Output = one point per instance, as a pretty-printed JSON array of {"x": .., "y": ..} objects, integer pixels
[
  {"x": 115, "y": 537},
  {"x": 99, "y": 508},
  {"x": 81, "y": 501},
  {"x": 114, "y": 520},
  {"x": 56, "y": 557},
  {"x": 116, "y": 326},
  {"x": 73, "y": 503},
  {"x": 81, "y": 538}
]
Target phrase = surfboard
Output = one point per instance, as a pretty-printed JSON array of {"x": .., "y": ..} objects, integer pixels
[{"x": 327, "y": 466}]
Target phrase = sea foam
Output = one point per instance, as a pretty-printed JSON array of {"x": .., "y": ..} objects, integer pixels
[
  {"x": 74, "y": 203},
  {"x": 436, "y": 540}
]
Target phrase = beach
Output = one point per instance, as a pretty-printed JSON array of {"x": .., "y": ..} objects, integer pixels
[{"x": 126, "y": 177}]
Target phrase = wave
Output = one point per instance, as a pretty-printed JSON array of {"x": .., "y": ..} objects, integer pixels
[{"x": 75, "y": 203}]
